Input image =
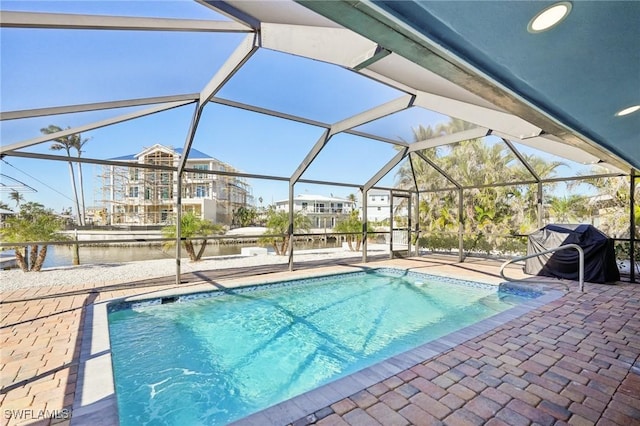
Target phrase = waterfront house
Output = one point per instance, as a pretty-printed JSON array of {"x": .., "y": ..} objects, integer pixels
[
  {"x": 324, "y": 212},
  {"x": 378, "y": 205},
  {"x": 142, "y": 196}
]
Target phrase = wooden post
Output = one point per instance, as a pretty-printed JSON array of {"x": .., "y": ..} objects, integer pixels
[{"x": 76, "y": 249}]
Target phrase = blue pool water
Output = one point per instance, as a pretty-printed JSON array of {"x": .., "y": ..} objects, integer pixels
[{"x": 213, "y": 358}]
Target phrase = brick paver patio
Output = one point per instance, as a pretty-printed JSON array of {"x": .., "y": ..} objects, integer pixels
[{"x": 573, "y": 361}]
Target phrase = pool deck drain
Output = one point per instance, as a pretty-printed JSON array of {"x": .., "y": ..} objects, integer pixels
[{"x": 572, "y": 360}]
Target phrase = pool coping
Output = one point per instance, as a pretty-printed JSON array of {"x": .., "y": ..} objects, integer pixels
[{"x": 95, "y": 400}]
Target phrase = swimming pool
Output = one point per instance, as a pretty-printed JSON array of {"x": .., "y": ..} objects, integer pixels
[{"x": 216, "y": 357}]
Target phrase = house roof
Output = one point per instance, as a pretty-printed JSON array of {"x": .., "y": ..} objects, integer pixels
[{"x": 194, "y": 154}]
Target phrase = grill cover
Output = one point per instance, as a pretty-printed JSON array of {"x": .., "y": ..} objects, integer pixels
[{"x": 599, "y": 255}]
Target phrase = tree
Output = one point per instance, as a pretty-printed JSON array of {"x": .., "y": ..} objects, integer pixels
[
  {"x": 353, "y": 198},
  {"x": 4, "y": 206},
  {"x": 611, "y": 204},
  {"x": 278, "y": 223},
  {"x": 490, "y": 212},
  {"x": 34, "y": 224},
  {"x": 68, "y": 143},
  {"x": 244, "y": 216},
  {"x": 569, "y": 209},
  {"x": 352, "y": 224},
  {"x": 17, "y": 197},
  {"x": 192, "y": 226},
  {"x": 525, "y": 204}
]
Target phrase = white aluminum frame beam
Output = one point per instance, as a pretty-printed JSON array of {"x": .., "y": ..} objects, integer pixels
[
  {"x": 85, "y": 160},
  {"x": 71, "y": 109},
  {"x": 372, "y": 114},
  {"x": 265, "y": 111},
  {"x": 504, "y": 122},
  {"x": 106, "y": 22},
  {"x": 226, "y": 9},
  {"x": 247, "y": 47},
  {"x": 477, "y": 132},
  {"x": 234, "y": 62},
  {"x": 333, "y": 45},
  {"x": 311, "y": 155},
  {"x": 92, "y": 126},
  {"x": 552, "y": 145},
  {"x": 388, "y": 81},
  {"x": 375, "y": 113},
  {"x": 385, "y": 169}
]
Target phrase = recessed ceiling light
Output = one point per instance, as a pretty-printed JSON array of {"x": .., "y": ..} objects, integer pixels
[
  {"x": 628, "y": 111},
  {"x": 549, "y": 17}
]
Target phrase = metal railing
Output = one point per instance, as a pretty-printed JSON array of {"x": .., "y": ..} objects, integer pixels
[{"x": 564, "y": 247}]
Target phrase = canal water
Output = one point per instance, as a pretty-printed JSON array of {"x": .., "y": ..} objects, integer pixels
[{"x": 63, "y": 255}]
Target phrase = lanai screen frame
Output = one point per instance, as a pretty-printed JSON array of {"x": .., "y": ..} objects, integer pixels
[{"x": 251, "y": 43}]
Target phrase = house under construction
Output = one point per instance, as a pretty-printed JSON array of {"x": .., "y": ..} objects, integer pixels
[{"x": 145, "y": 193}]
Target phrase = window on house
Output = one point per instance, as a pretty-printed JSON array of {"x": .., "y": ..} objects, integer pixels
[
  {"x": 133, "y": 192},
  {"x": 165, "y": 177},
  {"x": 134, "y": 174},
  {"x": 202, "y": 191},
  {"x": 200, "y": 167},
  {"x": 164, "y": 193},
  {"x": 305, "y": 206}
]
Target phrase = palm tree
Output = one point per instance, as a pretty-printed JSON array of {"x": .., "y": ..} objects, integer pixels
[
  {"x": 353, "y": 198},
  {"x": 569, "y": 209},
  {"x": 67, "y": 143},
  {"x": 32, "y": 223},
  {"x": 192, "y": 226},
  {"x": 489, "y": 211},
  {"x": 17, "y": 197},
  {"x": 527, "y": 200},
  {"x": 4, "y": 206},
  {"x": 353, "y": 224},
  {"x": 278, "y": 223},
  {"x": 612, "y": 204},
  {"x": 424, "y": 173}
]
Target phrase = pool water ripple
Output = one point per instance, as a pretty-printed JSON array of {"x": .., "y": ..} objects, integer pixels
[{"x": 217, "y": 357}]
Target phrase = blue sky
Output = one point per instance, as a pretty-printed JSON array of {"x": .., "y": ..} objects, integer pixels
[{"x": 54, "y": 68}]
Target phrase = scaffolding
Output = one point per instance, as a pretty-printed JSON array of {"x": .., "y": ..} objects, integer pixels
[{"x": 145, "y": 192}]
